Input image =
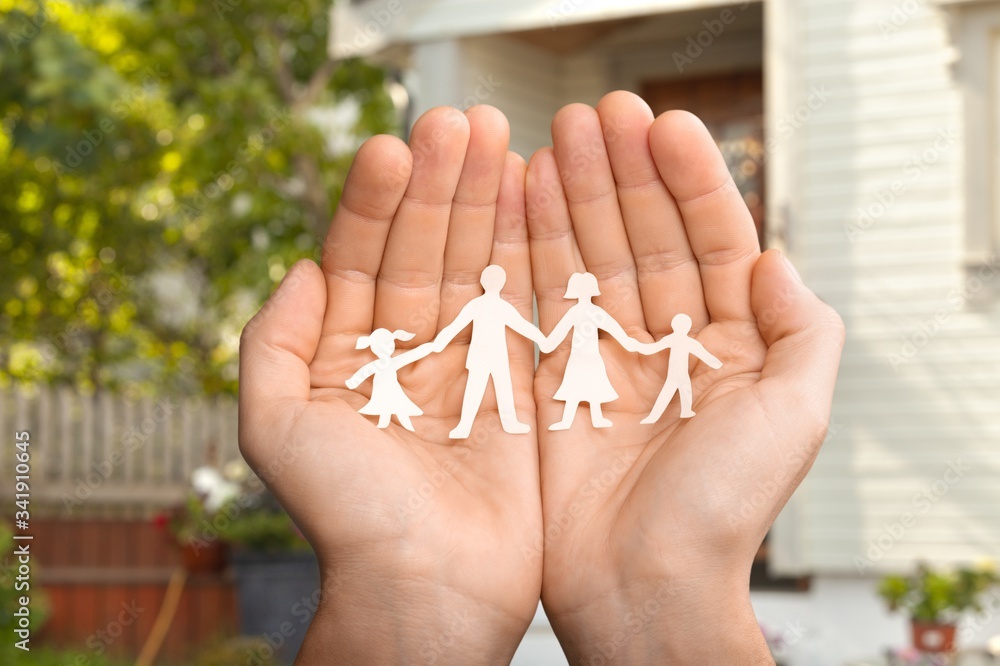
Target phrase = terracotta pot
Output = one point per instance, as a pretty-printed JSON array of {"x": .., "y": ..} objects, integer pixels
[
  {"x": 933, "y": 637},
  {"x": 203, "y": 557}
]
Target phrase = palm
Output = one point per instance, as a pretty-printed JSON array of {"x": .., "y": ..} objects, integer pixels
[
  {"x": 418, "y": 511},
  {"x": 654, "y": 215},
  {"x": 416, "y": 486}
]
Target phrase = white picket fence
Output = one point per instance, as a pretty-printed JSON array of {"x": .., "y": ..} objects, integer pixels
[{"x": 106, "y": 453}]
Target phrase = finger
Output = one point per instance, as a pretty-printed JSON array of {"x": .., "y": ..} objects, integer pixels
[
  {"x": 668, "y": 276},
  {"x": 593, "y": 205},
  {"x": 804, "y": 339},
  {"x": 352, "y": 251},
  {"x": 408, "y": 290},
  {"x": 510, "y": 251},
  {"x": 470, "y": 229},
  {"x": 276, "y": 348},
  {"x": 718, "y": 223},
  {"x": 554, "y": 253}
]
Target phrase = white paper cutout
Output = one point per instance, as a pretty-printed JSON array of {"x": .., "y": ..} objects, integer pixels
[
  {"x": 586, "y": 377},
  {"x": 490, "y": 317},
  {"x": 388, "y": 398},
  {"x": 681, "y": 348}
]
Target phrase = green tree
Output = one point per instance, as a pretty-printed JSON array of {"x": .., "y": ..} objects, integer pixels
[{"x": 161, "y": 164}]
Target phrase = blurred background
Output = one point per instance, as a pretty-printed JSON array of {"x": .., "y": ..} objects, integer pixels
[{"x": 163, "y": 163}]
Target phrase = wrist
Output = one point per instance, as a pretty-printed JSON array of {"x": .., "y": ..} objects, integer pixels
[
  {"x": 367, "y": 618},
  {"x": 692, "y": 620}
]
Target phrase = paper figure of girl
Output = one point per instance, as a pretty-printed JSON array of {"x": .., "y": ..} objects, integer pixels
[
  {"x": 682, "y": 347},
  {"x": 586, "y": 377},
  {"x": 388, "y": 398}
]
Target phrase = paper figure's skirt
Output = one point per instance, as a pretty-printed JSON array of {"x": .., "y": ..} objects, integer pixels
[
  {"x": 399, "y": 405},
  {"x": 583, "y": 384}
]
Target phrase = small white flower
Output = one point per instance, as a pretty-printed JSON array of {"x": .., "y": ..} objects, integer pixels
[{"x": 216, "y": 491}]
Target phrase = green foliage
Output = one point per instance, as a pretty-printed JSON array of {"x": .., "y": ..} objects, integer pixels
[
  {"x": 161, "y": 166},
  {"x": 937, "y": 596},
  {"x": 262, "y": 525}
]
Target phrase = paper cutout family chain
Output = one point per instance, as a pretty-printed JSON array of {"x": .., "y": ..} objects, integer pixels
[{"x": 585, "y": 378}]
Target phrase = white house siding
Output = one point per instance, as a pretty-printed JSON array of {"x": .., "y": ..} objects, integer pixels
[{"x": 919, "y": 390}]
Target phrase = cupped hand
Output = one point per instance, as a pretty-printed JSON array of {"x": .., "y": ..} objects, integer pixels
[
  {"x": 650, "y": 530},
  {"x": 419, "y": 537}
]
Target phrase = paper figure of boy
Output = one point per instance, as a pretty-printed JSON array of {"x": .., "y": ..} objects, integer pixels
[
  {"x": 490, "y": 317},
  {"x": 586, "y": 377},
  {"x": 388, "y": 398},
  {"x": 681, "y": 346}
]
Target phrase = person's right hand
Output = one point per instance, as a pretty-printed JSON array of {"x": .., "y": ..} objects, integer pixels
[
  {"x": 650, "y": 530},
  {"x": 419, "y": 537}
]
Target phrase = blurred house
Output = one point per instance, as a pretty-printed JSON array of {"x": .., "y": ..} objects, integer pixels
[{"x": 864, "y": 137}]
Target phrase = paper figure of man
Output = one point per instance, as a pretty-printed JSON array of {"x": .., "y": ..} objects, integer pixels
[
  {"x": 682, "y": 347},
  {"x": 388, "y": 398},
  {"x": 490, "y": 317},
  {"x": 586, "y": 377}
]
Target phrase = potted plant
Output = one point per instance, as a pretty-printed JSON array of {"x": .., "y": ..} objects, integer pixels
[
  {"x": 934, "y": 600},
  {"x": 277, "y": 574},
  {"x": 196, "y": 525}
]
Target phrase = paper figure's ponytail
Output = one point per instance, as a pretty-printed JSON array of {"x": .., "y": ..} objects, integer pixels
[{"x": 382, "y": 336}]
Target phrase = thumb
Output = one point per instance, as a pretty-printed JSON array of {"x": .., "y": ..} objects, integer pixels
[
  {"x": 804, "y": 339},
  {"x": 278, "y": 344}
]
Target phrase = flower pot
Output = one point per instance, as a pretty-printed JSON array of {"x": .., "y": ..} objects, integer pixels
[
  {"x": 277, "y": 593},
  {"x": 203, "y": 556},
  {"x": 933, "y": 637}
]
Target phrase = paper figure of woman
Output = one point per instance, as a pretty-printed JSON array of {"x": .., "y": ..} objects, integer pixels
[{"x": 586, "y": 377}]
